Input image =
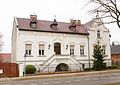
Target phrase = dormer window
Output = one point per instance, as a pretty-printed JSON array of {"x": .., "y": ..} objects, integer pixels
[
  {"x": 72, "y": 24},
  {"x": 33, "y": 21},
  {"x": 54, "y": 24},
  {"x": 98, "y": 34}
]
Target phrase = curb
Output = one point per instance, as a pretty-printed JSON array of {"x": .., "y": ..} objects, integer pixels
[{"x": 58, "y": 75}]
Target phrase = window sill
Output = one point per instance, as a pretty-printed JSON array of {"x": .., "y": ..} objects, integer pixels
[
  {"x": 29, "y": 55},
  {"x": 73, "y": 55},
  {"x": 83, "y": 56},
  {"x": 41, "y": 55},
  {"x": 106, "y": 55}
]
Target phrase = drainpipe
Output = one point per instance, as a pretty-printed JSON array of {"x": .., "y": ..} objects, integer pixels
[{"x": 88, "y": 51}]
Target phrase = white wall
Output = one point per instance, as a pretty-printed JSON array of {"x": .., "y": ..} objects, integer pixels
[
  {"x": 35, "y": 38},
  {"x": 104, "y": 41}
]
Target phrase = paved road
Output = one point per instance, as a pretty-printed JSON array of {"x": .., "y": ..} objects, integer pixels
[{"x": 76, "y": 80}]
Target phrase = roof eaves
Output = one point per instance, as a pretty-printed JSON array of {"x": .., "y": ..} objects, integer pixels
[{"x": 55, "y": 31}]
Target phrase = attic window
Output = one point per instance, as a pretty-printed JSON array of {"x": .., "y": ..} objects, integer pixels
[
  {"x": 33, "y": 21},
  {"x": 72, "y": 25},
  {"x": 33, "y": 25},
  {"x": 54, "y": 25}
]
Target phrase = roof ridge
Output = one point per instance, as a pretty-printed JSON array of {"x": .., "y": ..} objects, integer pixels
[{"x": 44, "y": 20}]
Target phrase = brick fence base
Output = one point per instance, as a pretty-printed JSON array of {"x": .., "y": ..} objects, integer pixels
[{"x": 9, "y": 70}]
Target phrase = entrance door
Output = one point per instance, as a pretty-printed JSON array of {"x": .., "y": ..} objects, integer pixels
[{"x": 57, "y": 48}]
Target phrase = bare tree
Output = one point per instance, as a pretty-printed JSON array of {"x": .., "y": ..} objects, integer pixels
[{"x": 109, "y": 10}]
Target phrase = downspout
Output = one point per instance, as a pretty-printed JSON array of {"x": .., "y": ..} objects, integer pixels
[{"x": 88, "y": 51}]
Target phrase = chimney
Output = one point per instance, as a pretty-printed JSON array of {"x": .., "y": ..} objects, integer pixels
[
  {"x": 78, "y": 22},
  {"x": 33, "y": 21},
  {"x": 72, "y": 22},
  {"x": 33, "y": 18}
]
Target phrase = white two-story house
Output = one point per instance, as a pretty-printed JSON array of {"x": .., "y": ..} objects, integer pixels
[{"x": 53, "y": 46}]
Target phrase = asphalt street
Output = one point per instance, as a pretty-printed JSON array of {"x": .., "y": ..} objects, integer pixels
[{"x": 97, "y": 79}]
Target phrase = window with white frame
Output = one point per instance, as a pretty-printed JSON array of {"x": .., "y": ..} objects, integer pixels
[
  {"x": 104, "y": 49},
  {"x": 28, "y": 48},
  {"x": 71, "y": 49},
  {"x": 41, "y": 49},
  {"x": 81, "y": 49},
  {"x": 98, "y": 34}
]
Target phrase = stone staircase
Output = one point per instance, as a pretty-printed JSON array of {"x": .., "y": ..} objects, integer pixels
[{"x": 60, "y": 58}]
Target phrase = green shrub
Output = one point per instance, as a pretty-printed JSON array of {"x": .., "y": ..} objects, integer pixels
[
  {"x": 108, "y": 67},
  {"x": 87, "y": 69},
  {"x": 114, "y": 66},
  {"x": 30, "y": 69}
]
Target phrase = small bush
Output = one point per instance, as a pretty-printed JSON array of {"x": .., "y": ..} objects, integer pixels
[
  {"x": 108, "y": 67},
  {"x": 114, "y": 66},
  {"x": 87, "y": 69},
  {"x": 30, "y": 69}
]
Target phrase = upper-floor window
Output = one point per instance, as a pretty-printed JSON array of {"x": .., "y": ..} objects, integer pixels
[
  {"x": 81, "y": 49},
  {"x": 104, "y": 49},
  {"x": 28, "y": 48},
  {"x": 98, "y": 34},
  {"x": 71, "y": 49},
  {"x": 41, "y": 49}
]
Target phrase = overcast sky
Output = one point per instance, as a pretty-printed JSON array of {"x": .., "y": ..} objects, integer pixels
[{"x": 45, "y": 10}]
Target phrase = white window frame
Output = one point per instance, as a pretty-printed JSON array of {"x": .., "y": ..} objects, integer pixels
[
  {"x": 41, "y": 50},
  {"x": 28, "y": 49},
  {"x": 72, "y": 49},
  {"x": 104, "y": 49},
  {"x": 82, "y": 50},
  {"x": 98, "y": 34}
]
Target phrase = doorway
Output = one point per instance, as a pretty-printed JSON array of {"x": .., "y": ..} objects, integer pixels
[{"x": 57, "y": 48}]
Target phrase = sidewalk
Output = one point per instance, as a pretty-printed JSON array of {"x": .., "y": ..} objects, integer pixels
[{"x": 58, "y": 75}]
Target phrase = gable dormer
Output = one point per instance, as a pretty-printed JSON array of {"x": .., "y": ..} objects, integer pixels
[
  {"x": 54, "y": 24},
  {"x": 33, "y": 21},
  {"x": 72, "y": 25}
]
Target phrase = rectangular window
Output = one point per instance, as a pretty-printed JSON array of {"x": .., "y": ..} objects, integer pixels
[
  {"x": 28, "y": 48},
  {"x": 81, "y": 49},
  {"x": 98, "y": 34},
  {"x": 71, "y": 49},
  {"x": 41, "y": 49},
  {"x": 104, "y": 49}
]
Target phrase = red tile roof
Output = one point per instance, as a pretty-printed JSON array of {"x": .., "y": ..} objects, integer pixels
[
  {"x": 5, "y": 57},
  {"x": 44, "y": 26}
]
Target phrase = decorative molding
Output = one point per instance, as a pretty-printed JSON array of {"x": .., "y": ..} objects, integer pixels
[
  {"x": 41, "y": 42},
  {"x": 57, "y": 39},
  {"x": 72, "y": 43},
  {"x": 28, "y": 42},
  {"x": 31, "y": 61},
  {"x": 82, "y": 44}
]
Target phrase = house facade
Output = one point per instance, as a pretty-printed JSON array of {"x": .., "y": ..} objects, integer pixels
[
  {"x": 57, "y": 46},
  {"x": 115, "y": 54}
]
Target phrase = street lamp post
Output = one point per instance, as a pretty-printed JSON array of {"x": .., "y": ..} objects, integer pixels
[{"x": 24, "y": 64}]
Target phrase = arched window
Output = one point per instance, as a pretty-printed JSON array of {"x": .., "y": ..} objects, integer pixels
[{"x": 98, "y": 34}]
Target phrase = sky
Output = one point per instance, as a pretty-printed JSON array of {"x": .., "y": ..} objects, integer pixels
[{"x": 64, "y": 10}]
